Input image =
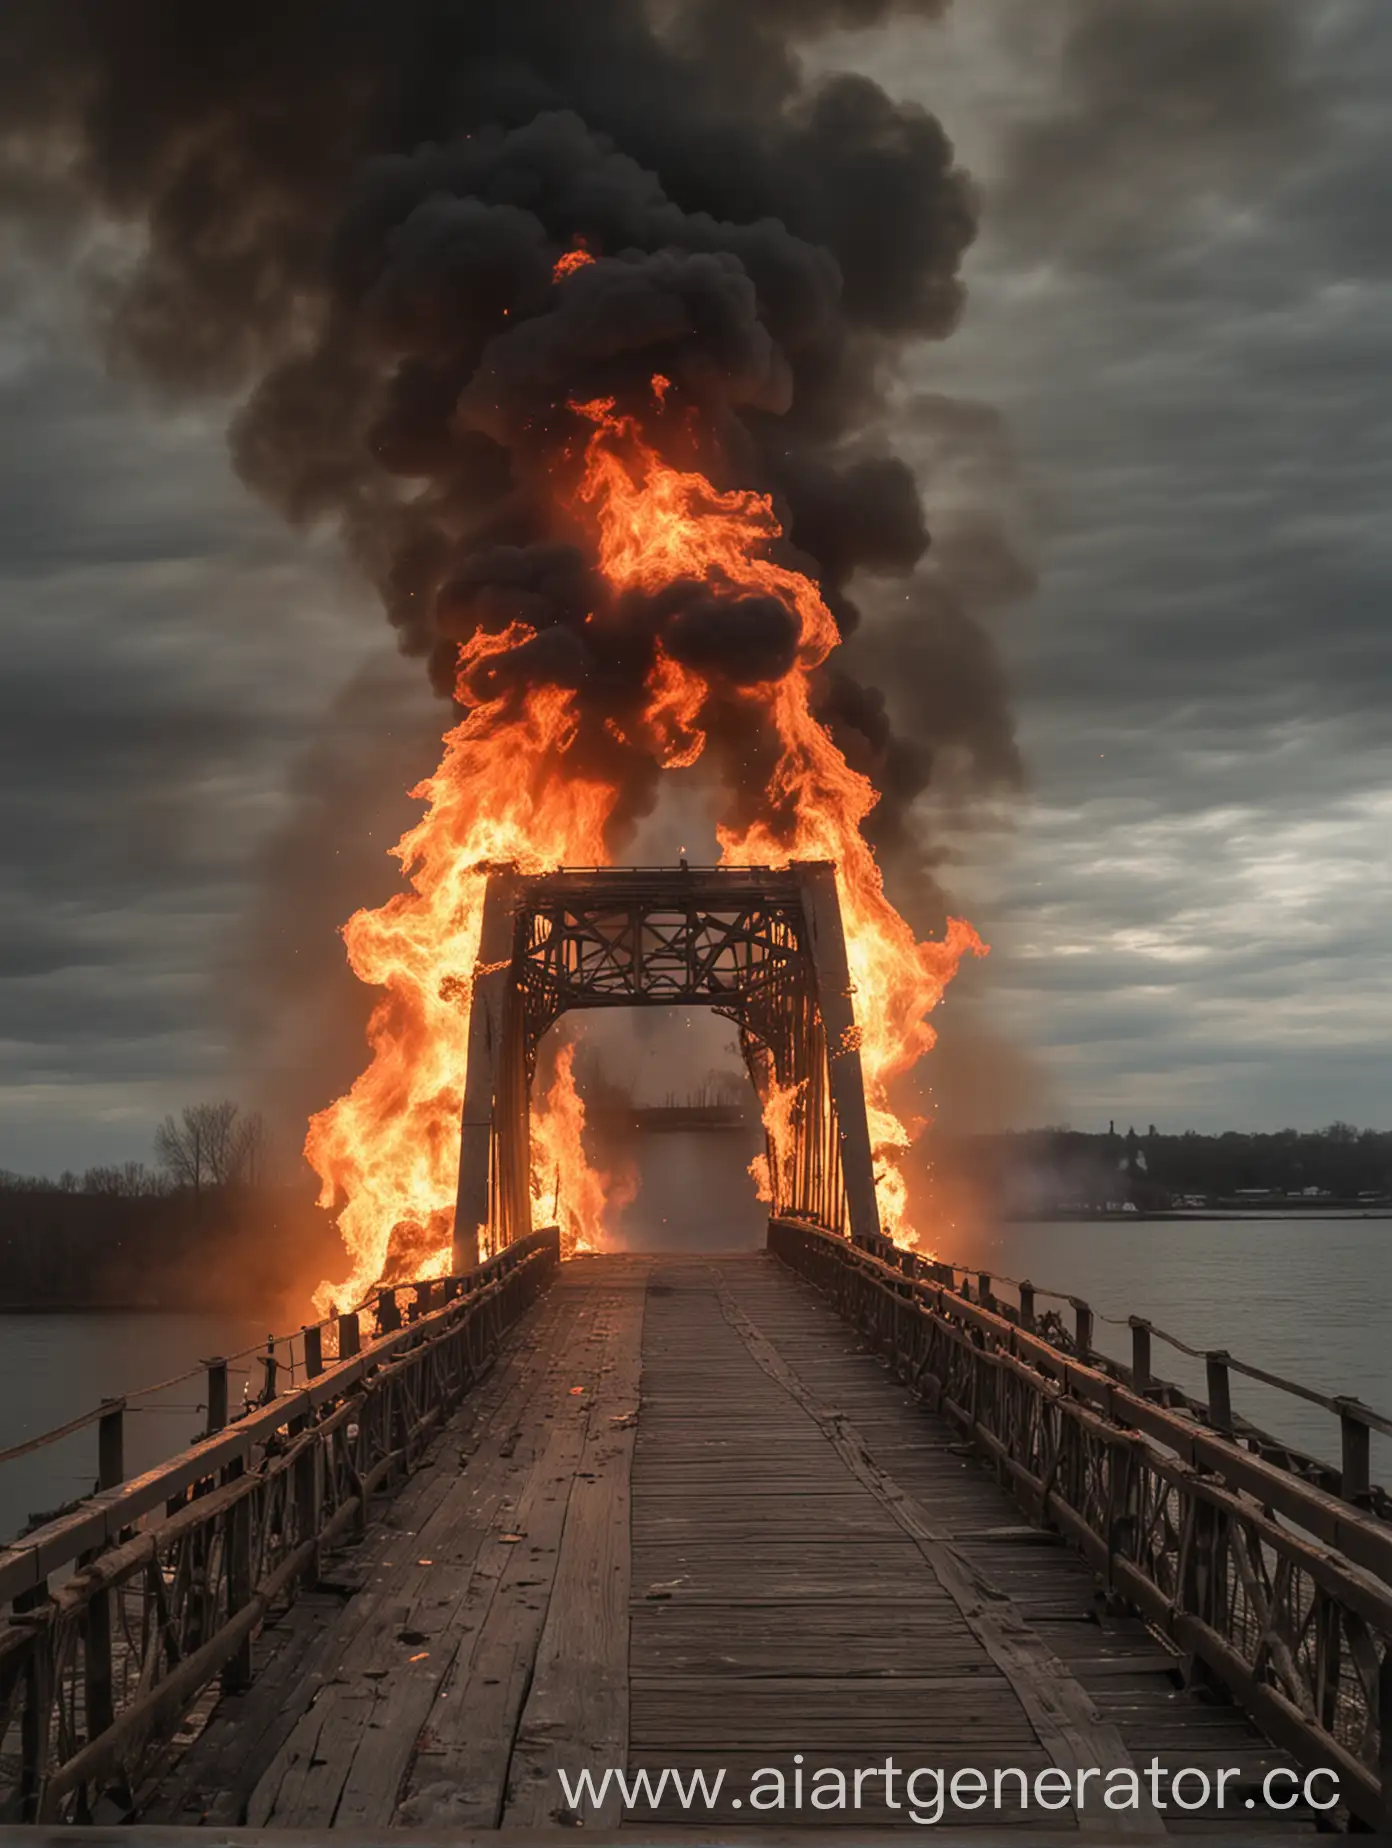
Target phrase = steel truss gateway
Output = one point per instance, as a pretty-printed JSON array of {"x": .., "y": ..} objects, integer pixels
[{"x": 763, "y": 947}]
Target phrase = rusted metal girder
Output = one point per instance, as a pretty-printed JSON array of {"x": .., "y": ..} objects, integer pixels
[{"x": 763, "y": 946}]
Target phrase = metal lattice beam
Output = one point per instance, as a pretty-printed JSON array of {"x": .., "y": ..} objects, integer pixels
[{"x": 761, "y": 946}]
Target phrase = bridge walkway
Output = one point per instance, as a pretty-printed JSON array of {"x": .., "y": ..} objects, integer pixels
[{"x": 689, "y": 1523}]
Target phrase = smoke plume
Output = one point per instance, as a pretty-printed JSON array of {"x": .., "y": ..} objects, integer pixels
[{"x": 408, "y": 236}]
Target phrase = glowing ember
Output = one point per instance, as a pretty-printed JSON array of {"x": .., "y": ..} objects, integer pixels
[
  {"x": 570, "y": 261},
  {"x": 388, "y": 1152}
]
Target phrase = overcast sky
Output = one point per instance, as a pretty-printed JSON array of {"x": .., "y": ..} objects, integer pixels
[{"x": 1156, "y": 454}]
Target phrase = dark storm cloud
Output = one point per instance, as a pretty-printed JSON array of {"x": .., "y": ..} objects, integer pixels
[
  {"x": 1163, "y": 106},
  {"x": 162, "y": 647}
]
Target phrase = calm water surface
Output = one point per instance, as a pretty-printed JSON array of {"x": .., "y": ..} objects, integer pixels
[
  {"x": 1308, "y": 1298},
  {"x": 54, "y": 1367}
]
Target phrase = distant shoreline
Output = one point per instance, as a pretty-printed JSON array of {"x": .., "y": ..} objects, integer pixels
[{"x": 1199, "y": 1214}]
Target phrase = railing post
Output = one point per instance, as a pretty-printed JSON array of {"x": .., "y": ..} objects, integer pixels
[
  {"x": 1140, "y": 1354},
  {"x": 268, "y": 1363},
  {"x": 983, "y": 1290},
  {"x": 349, "y": 1336},
  {"x": 388, "y": 1313},
  {"x": 425, "y": 1298},
  {"x": 97, "y": 1669},
  {"x": 237, "y": 1670},
  {"x": 1355, "y": 1448},
  {"x": 1219, "y": 1391},
  {"x": 111, "y": 1445},
  {"x": 217, "y": 1395},
  {"x": 307, "y": 1464},
  {"x": 1385, "y": 1739},
  {"x": 1027, "y": 1306},
  {"x": 1201, "y": 1560},
  {"x": 36, "y": 1720},
  {"x": 1082, "y": 1326}
]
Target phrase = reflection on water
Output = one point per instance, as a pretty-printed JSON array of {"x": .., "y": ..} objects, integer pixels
[{"x": 1311, "y": 1299}]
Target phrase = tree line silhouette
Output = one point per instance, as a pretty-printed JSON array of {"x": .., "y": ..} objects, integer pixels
[{"x": 207, "y": 1147}]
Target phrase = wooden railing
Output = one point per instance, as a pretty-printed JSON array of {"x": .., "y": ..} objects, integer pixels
[
  {"x": 116, "y": 1616},
  {"x": 1275, "y": 1591},
  {"x": 1074, "y": 1332}
]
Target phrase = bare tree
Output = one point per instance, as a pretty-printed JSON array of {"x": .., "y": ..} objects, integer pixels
[
  {"x": 102, "y": 1181},
  {"x": 180, "y": 1149},
  {"x": 249, "y": 1150},
  {"x": 131, "y": 1181},
  {"x": 211, "y": 1145}
]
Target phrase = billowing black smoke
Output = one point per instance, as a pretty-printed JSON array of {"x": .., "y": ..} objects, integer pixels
[
  {"x": 354, "y": 210},
  {"x": 348, "y": 214}
]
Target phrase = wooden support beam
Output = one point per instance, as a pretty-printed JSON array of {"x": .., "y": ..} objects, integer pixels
[
  {"x": 98, "y": 1668},
  {"x": 237, "y": 1536},
  {"x": 483, "y": 1062}
]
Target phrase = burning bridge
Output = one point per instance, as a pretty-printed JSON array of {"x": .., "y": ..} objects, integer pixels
[
  {"x": 802, "y": 1521},
  {"x": 764, "y": 948}
]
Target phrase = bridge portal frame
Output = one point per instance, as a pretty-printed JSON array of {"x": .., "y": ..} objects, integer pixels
[{"x": 762, "y": 946}]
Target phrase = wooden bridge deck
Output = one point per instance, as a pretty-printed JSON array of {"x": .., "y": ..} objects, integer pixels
[{"x": 688, "y": 1522}]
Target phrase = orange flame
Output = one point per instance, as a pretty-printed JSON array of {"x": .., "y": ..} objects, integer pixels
[
  {"x": 387, "y": 1153},
  {"x": 656, "y": 524},
  {"x": 779, "y": 1133},
  {"x": 569, "y": 261},
  {"x": 566, "y": 1191}
]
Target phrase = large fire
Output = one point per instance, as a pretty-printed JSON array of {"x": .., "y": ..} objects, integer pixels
[{"x": 388, "y": 1151}]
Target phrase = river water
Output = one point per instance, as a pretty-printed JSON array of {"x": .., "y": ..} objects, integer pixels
[
  {"x": 1307, "y": 1298},
  {"x": 1310, "y": 1299}
]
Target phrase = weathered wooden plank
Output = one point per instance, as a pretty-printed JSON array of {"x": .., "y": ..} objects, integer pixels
[
  {"x": 459, "y": 1776},
  {"x": 215, "y": 1779},
  {"x": 347, "y": 1754},
  {"x": 576, "y": 1717},
  {"x": 1059, "y": 1708}
]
